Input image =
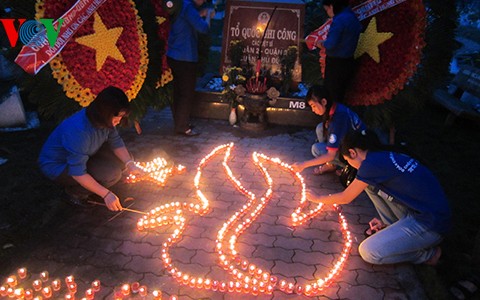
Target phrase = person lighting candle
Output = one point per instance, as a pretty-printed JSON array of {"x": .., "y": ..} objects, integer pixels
[
  {"x": 86, "y": 155},
  {"x": 414, "y": 212}
]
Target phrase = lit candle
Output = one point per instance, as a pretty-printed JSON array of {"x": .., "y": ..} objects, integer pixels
[
  {"x": 215, "y": 285},
  {"x": 28, "y": 294},
  {"x": 142, "y": 291},
  {"x": 192, "y": 283},
  {"x": 290, "y": 288},
  {"x": 157, "y": 295},
  {"x": 89, "y": 294},
  {"x": 22, "y": 273},
  {"x": 223, "y": 287},
  {"x": 308, "y": 290},
  {"x": 69, "y": 296},
  {"x": 126, "y": 289},
  {"x": 37, "y": 285},
  {"x": 96, "y": 285},
  {"x": 12, "y": 281},
  {"x": 199, "y": 283},
  {"x": 299, "y": 289},
  {"x": 69, "y": 279},
  {"x": 19, "y": 293},
  {"x": 10, "y": 292},
  {"x": 47, "y": 292},
  {"x": 238, "y": 287},
  {"x": 135, "y": 287},
  {"x": 283, "y": 285},
  {"x": 269, "y": 290},
  {"x": 72, "y": 287},
  {"x": 118, "y": 295},
  {"x": 3, "y": 290},
  {"x": 56, "y": 285},
  {"x": 208, "y": 284},
  {"x": 44, "y": 276},
  {"x": 244, "y": 265}
]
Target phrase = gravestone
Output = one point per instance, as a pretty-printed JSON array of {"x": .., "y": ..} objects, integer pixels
[
  {"x": 246, "y": 20},
  {"x": 242, "y": 19}
]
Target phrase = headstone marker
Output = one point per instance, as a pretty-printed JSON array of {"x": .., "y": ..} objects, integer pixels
[{"x": 246, "y": 21}]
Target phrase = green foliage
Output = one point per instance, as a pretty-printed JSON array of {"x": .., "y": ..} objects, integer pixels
[
  {"x": 315, "y": 16},
  {"x": 288, "y": 63},
  {"x": 233, "y": 77},
  {"x": 235, "y": 52}
]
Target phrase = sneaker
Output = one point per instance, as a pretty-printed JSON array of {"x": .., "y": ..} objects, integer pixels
[{"x": 189, "y": 132}]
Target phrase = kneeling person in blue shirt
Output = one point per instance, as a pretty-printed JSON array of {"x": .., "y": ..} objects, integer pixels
[
  {"x": 337, "y": 120},
  {"x": 85, "y": 153},
  {"x": 414, "y": 212}
]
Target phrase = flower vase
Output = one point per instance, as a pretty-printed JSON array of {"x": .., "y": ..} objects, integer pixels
[{"x": 232, "y": 118}]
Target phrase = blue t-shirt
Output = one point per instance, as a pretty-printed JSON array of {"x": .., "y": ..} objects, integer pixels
[
  {"x": 342, "y": 38},
  {"x": 342, "y": 120},
  {"x": 182, "y": 39},
  {"x": 410, "y": 184},
  {"x": 72, "y": 143}
]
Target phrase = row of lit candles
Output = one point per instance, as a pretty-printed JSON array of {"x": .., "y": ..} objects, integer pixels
[
  {"x": 156, "y": 171},
  {"x": 256, "y": 281},
  {"x": 288, "y": 287},
  {"x": 42, "y": 288},
  {"x": 127, "y": 291}
]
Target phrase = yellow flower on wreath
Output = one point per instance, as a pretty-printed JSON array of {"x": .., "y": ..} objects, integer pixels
[{"x": 166, "y": 77}]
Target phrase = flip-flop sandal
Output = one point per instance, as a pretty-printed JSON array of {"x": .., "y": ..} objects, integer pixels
[{"x": 465, "y": 289}]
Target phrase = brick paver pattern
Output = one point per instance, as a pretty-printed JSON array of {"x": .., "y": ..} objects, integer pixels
[{"x": 98, "y": 244}]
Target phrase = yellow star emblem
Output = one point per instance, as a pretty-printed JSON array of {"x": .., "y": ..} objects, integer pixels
[
  {"x": 104, "y": 41},
  {"x": 370, "y": 40}
]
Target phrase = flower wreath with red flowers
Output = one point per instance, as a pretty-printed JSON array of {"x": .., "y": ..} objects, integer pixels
[
  {"x": 87, "y": 63},
  {"x": 162, "y": 18},
  {"x": 401, "y": 30}
]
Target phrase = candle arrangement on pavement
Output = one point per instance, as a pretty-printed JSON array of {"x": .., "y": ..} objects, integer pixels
[{"x": 245, "y": 277}]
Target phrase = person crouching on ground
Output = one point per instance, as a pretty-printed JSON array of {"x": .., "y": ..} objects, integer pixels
[
  {"x": 337, "y": 121},
  {"x": 85, "y": 153},
  {"x": 412, "y": 206}
]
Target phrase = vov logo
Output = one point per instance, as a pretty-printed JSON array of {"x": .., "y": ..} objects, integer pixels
[{"x": 26, "y": 30}]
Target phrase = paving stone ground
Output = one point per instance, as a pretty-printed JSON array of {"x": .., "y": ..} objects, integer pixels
[{"x": 98, "y": 244}]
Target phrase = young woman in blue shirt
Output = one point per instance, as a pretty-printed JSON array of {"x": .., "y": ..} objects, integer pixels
[
  {"x": 85, "y": 153},
  {"x": 414, "y": 212},
  {"x": 337, "y": 121}
]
